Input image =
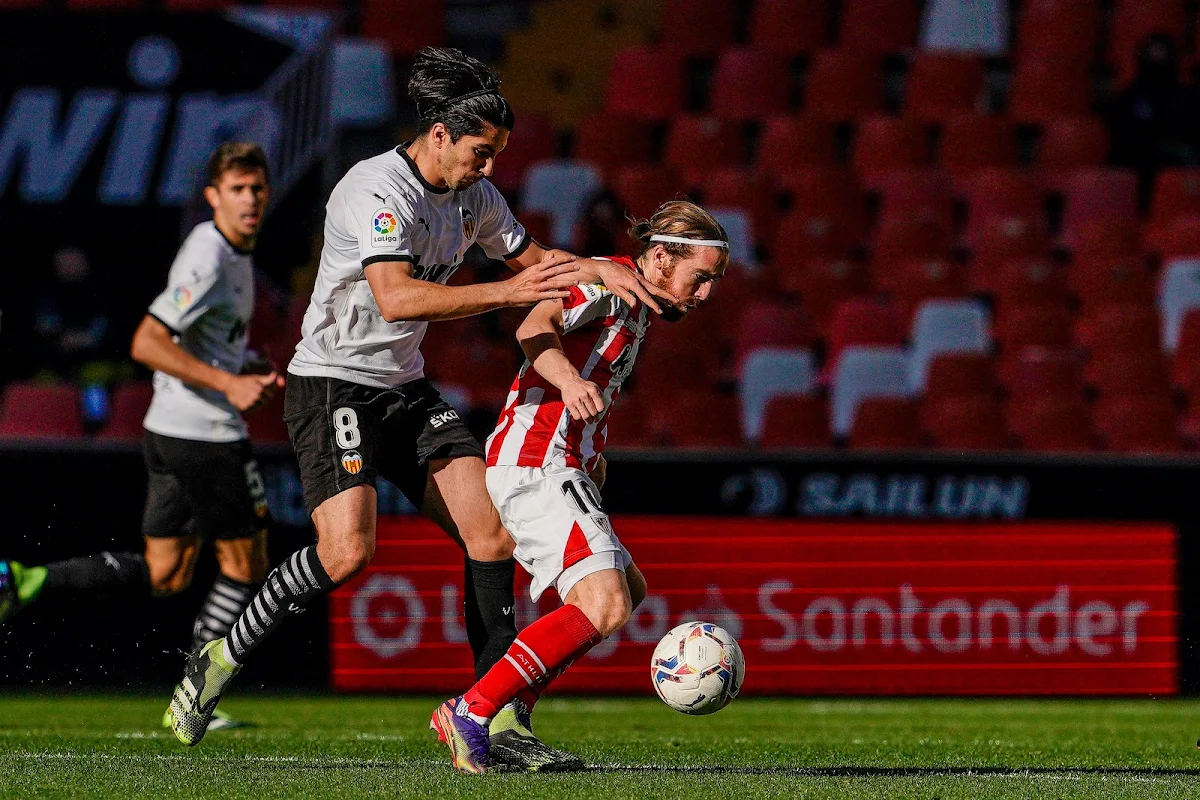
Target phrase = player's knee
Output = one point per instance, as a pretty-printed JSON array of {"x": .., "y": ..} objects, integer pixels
[
  {"x": 610, "y": 611},
  {"x": 348, "y": 560},
  {"x": 165, "y": 584}
]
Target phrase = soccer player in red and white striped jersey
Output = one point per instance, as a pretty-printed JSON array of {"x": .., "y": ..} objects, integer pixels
[{"x": 545, "y": 467}]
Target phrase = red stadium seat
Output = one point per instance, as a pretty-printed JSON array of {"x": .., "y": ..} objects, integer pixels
[
  {"x": 1179, "y": 238},
  {"x": 1185, "y": 365},
  {"x": 628, "y": 421},
  {"x": 424, "y": 23},
  {"x": 677, "y": 357},
  {"x": 37, "y": 410},
  {"x": 1133, "y": 21},
  {"x": 749, "y": 84},
  {"x": 1106, "y": 237},
  {"x": 266, "y": 424},
  {"x": 900, "y": 236},
  {"x": 942, "y": 86},
  {"x": 1095, "y": 195},
  {"x": 1071, "y": 27},
  {"x": 843, "y": 86},
  {"x": 1003, "y": 238},
  {"x": 696, "y": 418},
  {"x": 1022, "y": 281},
  {"x": 697, "y": 144},
  {"x": 912, "y": 281},
  {"x": 1137, "y": 424},
  {"x": 1068, "y": 143},
  {"x": 786, "y": 142},
  {"x": 971, "y": 142},
  {"x": 961, "y": 374},
  {"x": 864, "y": 321},
  {"x": 821, "y": 283},
  {"x": 1041, "y": 372},
  {"x": 826, "y": 219},
  {"x": 1128, "y": 372},
  {"x": 1119, "y": 326},
  {"x": 1049, "y": 85},
  {"x": 1176, "y": 193},
  {"x": 1042, "y": 324},
  {"x": 698, "y": 27},
  {"x": 770, "y": 323},
  {"x": 789, "y": 27},
  {"x": 1050, "y": 424},
  {"x": 998, "y": 192},
  {"x": 538, "y": 141},
  {"x": 644, "y": 187},
  {"x": 915, "y": 192},
  {"x": 1112, "y": 279},
  {"x": 879, "y": 26},
  {"x": 744, "y": 188},
  {"x": 646, "y": 83},
  {"x": 610, "y": 141},
  {"x": 964, "y": 422},
  {"x": 887, "y": 422},
  {"x": 129, "y": 404},
  {"x": 796, "y": 421},
  {"x": 884, "y": 143}
]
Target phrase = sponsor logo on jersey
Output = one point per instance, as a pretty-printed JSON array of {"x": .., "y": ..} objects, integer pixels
[
  {"x": 468, "y": 223},
  {"x": 352, "y": 462},
  {"x": 181, "y": 297},
  {"x": 593, "y": 291},
  {"x": 383, "y": 227},
  {"x": 438, "y": 420}
]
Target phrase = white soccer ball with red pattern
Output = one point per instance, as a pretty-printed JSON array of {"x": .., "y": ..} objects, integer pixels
[{"x": 697, "y": 668}]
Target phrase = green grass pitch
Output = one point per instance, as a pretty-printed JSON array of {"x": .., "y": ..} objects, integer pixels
[{"x": 350, "y": 747}]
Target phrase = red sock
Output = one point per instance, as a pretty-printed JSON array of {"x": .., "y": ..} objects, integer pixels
[{"x": 534, "y": 658}]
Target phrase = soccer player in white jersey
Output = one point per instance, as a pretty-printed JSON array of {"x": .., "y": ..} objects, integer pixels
[
  {"x": 358, "y": 405},
  {"x": 203, "y": 480},
  {"x": 545, "y": 469}
]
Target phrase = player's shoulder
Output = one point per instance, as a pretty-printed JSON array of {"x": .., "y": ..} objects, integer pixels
[
  {"x": 380, "y": 179},
  {"x": 204, "y": 250},
  {"x": 585, "y": 293}
]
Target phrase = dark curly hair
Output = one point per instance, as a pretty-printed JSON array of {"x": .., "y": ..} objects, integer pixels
[{"x": 458, "y": 91}]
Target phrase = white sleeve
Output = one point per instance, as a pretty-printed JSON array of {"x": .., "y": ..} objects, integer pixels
[
  {"x": 498, "y": 233},
  {"x": 194, "y": 285},
  {"x": 382, "y": 223},
  {"x": 588, "y": 302}
]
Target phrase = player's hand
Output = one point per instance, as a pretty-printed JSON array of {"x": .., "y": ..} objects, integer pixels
[
  {"x": 599, "y": 474},
  {"x": 630, "y": 286},
  {"x": 248, "y": 392},
  {"x": 548, "y": 279},
  {"x": 583, "y": 400}
]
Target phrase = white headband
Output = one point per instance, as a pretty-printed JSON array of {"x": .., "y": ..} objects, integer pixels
[{"x": 658, "y": 237}]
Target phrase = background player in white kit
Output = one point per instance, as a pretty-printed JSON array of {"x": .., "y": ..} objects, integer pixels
[
  {"x": 358, "y": 405},
  {"x": 203, "y": 480},
  {"x": 545, "y": 467}
]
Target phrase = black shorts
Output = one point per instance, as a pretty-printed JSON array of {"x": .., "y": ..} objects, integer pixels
[
  {"x": 213, "y": 489},
  {"x": 346, "y": 435}
]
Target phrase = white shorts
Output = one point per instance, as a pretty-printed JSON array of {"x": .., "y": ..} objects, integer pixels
[{"x": 554, "y": 516}]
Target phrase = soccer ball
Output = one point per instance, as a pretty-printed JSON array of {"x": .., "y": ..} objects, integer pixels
[{"x": 697, "y": 668}]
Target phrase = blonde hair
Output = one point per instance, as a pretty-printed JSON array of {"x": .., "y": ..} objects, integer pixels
[{"x": 679, "y": 218}]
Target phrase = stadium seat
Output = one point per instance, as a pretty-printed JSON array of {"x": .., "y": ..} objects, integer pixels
[
  {"x": 1137, "y": 424},
  {"x": 698, "y": 27},
  {"x": 861, "y": 373},
  {"x": 821, "y": 283},
  {"x": 739, "y": 232},
  {"x": 744, "y": 188},
  {"x": 609, "y": 141},
  {"x": 1178, "y": 294},
  {"x": 1106, "y": 237},
  {"x": 883, "y": 143},
  {"x": 1049, "y": 85},
  {"x": 786, "y": 142},
  {"x": 914, "y": 235},
  {"x": 789, "y": 27},
  {"x": 1179, "y": 238},
  {"x": 1000, "y": 193},
  {"x": 770, "y": 323},
  {"x": 675, "y": 357},
  {"x": 1044, "y": 372},
  {"x": 942, "y": 86},
  {"x": 538, "y": 141},
  {"x": 769, "y": 372},
  {"x": 646, "y": 83},
  {"x": 1176, "y": 192},
  {"x": 266, "y": 423},
  {"x": 1022, "y": 281},
  {"x": 34, "y": 410},
  {"x": 749, "y": 84},
  {"x": 843, "y": 86},
  {"x": 959, "y": 374},
  {"x": 879, "y": 26},
  {"x": 130, "y": 402},
  {"x": 1125, "y": 372},
  {"x": 1093, "y": 195},
  {"x": 912, "y": 281},
  {"x": 796, "y": 421},
  {"x": 946, "y": 326},
  {"x": 925, "y": 193},
  {"x": 1002, "y": 238},
  {"x": 424, "y": 24},
  {"x": 644, "y": 187},
  {"x": 885, "y": 422},
  {"x": 973, "y": 141},
  {"x": 1119, "y": 326},
  {"x": 1042, "y": 324},
  {"x": 1133, "y": 21},
  {"x": 826, "y": 219},
  {"x": 1070, "y": 27},
  {"x": 864, "y": 321},
  {"x": 695, "y": 417},
  {"x": 1185, "y": 363},
  {"x": 1101, "y": 280},
  {"x": 1068, "y": 143},
  {"x": 963, "y": 422},
  {"x": 560, "y": 188},
  {"x": 1050, "y": 424},
  {"x": 362, "y": 84},
  {"x": 697, "y": 144}
]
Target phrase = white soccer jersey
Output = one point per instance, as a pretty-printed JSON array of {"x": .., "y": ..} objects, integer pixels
[
  {"x": 384, "y": 210},
  {"x": 601, "y": 337},
  {"x": 207, "y": 304}
]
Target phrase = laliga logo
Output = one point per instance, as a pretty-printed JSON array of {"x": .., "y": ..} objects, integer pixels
[{"x": 377, "y": 588}]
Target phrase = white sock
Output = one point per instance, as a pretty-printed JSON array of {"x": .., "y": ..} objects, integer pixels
[{"x": 227, "y": 653}]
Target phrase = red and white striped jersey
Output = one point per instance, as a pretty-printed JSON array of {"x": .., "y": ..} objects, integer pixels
[{"x": 601, "y": 337}]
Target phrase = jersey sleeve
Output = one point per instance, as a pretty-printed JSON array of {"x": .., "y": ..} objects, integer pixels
[
  {"x": 499, "y": 234},
  {"x": 382, "y": 223},
  {"x": 194, "y": 286},
  {"x": 587, "y": 302}
]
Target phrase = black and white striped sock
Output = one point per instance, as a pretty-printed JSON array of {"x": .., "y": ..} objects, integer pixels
[
  {"x": 225, "y": 603},
  {"x": 289, "y": 587}
]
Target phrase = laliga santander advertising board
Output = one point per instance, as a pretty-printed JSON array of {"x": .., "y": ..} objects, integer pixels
[{"x": 1072, "y": 608}]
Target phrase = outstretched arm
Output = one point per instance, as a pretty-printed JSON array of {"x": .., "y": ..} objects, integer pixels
[{"x": 539, "y": 336}]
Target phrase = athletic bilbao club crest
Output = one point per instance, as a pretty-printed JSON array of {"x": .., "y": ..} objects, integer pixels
[
  {"x": 352, "y": 462},
  {"x": 468, "y": 223}
]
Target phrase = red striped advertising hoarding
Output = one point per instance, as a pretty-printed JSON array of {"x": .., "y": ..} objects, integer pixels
[{"x": 1071, "y": 608}]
